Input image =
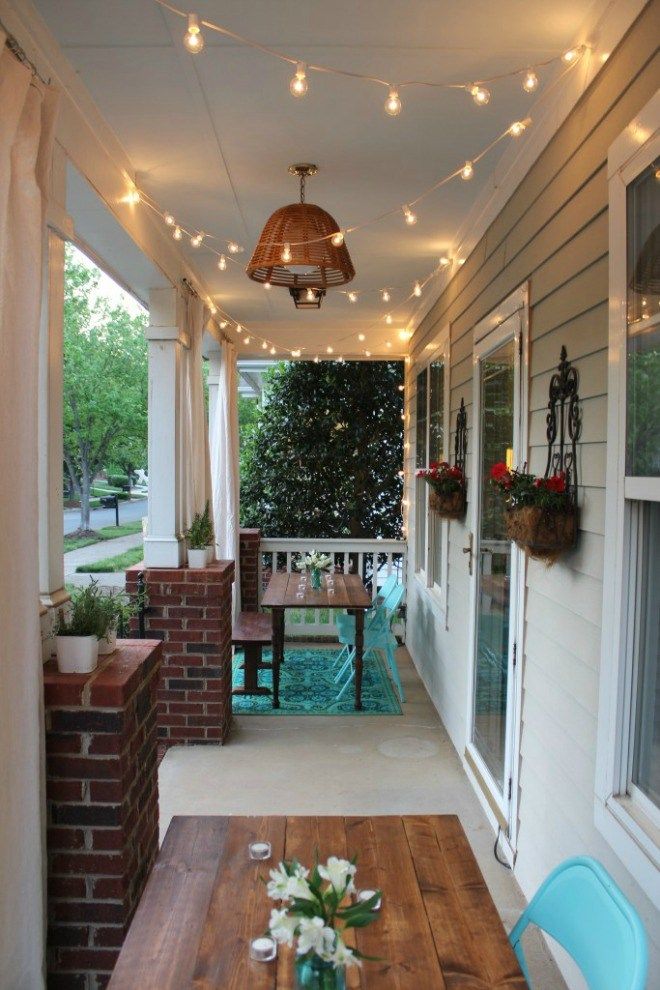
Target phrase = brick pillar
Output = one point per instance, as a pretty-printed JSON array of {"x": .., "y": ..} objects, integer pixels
[
  {"x": 190, "y": 611},
  {"x": 102, "y": 808},
  {"x": 249, "y": 570}
]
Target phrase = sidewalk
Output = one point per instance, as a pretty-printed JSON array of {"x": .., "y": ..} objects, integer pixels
[{"x": 99, "y": 551}]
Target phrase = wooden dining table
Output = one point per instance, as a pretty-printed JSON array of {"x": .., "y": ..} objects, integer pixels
[
  {"x": 205, "y": 901},
  {"x": 287, "y": 590}
]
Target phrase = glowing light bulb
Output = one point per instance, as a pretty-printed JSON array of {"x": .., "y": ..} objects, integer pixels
[
  {"x": 193, "y": 39},
  {"x": 177, "y": 233},
  {"x": 223, "y": 324},
  {"x": 246, "y": 340},
  {"x": 234, "y": 248},
  {"x": 132, "y": 197},
  {"x": 570, "y": 56},
  {"x": 467, "y": 171},
  {"x": 385, "y": 296},
  {"x": 401, "y": 387},
  {"x": 264, "y": 346},
  {"x": 411, "y": 217},
  {"x": 480, "y": 95},
  {"x": 361, "y": 337},
  {"x": 340, "y": 359},
  {"x": 267, "y": 285},
  {"x": 352, "y": 297},
  {"x": 169, "y": 219},
  {"x": 444, "y": 261},
  {"x": 388, "y": 344},
  {"x": 316, "y": 359},
  {"x": 196, "y": 240},
  {"x": 417, "y": 290},
  {"x": 337, "y": 239},
  {"x": 393, "y": 103},
  {"x": 460, "y": 261},
  {"x": 296, "y": 353},
  {"x": 272, "y": 350},
  {"x": 222, "y": 263},
  {"x": 310, "y": 295},
  {"x": 367, "y": 353},
  {"x": 404, "y": 335},
  {"x": 517, "y": 127},
  {"x": 530, "y": 81},
  {"x": 298, "y": 84},
  {"x": 330, "y": 350},
  {"x": 239, "y": 329},
  {"x": 286, "y": 253},
  {"x": 388, "y": 318}
]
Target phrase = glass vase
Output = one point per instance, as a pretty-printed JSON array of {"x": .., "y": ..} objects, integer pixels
[
  {"x": 315, "y": 578},
  {"x": 314, "y": 973}
]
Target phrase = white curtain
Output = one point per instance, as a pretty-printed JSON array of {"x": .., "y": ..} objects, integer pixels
[
  {"x": 225, "y": 466},
  {"x": 195, "y": 462},
  {"x": 27, "y": 116}
]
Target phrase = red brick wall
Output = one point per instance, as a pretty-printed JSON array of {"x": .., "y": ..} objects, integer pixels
[
  {"x": 190, "y": 611},
  {"x": 249, "y": 570},
  {"x": 102, "y": 808}
]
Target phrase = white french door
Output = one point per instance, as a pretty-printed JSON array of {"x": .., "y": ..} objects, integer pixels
[{"x": 497, "y": 584}]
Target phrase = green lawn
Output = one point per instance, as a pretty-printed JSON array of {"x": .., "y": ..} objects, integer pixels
[
  {"x": 106, "y": 533},
  {"x": 108, "y": 564}
]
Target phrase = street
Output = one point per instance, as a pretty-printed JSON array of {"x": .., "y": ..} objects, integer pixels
[{"x": 128, "y": 512}]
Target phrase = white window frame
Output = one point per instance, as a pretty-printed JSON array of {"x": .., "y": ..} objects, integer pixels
[
  {"x": 629, "y": 822},
  {"x": 439, "y": 350}
]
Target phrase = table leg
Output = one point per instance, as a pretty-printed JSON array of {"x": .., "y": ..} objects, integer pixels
[
  {"x": 359, "y": 649},
  {"x": 278, "y": 652}
]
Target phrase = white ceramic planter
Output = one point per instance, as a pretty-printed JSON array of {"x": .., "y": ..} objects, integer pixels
[
  {"x": 77, "y": 654},
  {"x": 210, "y": 554},
  {"x": 197, "y": 559},
  {"x": 109, "y": 645}
]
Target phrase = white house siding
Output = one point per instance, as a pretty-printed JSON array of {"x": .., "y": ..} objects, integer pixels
[{"x": 552, "y": 233}]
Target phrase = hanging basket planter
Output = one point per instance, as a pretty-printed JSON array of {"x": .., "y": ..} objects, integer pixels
[
  {"x": 544, "y": 534},
  {"x": 448, "y": 506}
]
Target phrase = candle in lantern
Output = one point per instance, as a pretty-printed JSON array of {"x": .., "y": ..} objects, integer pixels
[
  {"x": 263, "y": 949},
  {"x": 260, "y": 850}
]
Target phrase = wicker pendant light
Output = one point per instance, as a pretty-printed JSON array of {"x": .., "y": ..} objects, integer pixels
[{"x": 295, "y": 250}]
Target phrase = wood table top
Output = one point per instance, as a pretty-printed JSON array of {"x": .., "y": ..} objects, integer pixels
[
  {"x": 438, "y": 926},
  {"x": 283, "y": 589}
]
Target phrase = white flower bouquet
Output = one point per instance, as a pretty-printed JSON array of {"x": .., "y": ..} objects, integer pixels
[
  {"x": 314, "y": 561},
  {"x": 315, "y": 910}
]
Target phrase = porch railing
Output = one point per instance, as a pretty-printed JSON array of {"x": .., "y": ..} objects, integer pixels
[{"x": 373, "y": 560}]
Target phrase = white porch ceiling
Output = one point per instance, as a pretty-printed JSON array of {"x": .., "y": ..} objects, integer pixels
[{"x": 211, "y": 136}]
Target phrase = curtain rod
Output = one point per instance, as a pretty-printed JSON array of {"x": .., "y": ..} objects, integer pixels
[{"x": 19, "y": 52}]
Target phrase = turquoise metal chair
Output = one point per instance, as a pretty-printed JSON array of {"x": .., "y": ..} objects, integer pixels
[
  {"x": 582, "y": 908},
  {"x": 377, "y": 636},
  {"x": 345, "y": 623}
]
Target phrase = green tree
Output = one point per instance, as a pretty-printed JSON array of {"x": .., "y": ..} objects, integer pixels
[
  {"x": 324, "y": 457},
  {"x": 105, "y": 383}
]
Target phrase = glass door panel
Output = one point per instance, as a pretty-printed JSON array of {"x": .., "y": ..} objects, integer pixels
[{"x": 493, "y": 598}]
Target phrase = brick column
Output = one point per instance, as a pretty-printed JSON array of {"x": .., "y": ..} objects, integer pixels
[
  {"x": 190, "y": 611},
  {"x": 249, "y": 570},
  {"x": 102, "y": 808}
]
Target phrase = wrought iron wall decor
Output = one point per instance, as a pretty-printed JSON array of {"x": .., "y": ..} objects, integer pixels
[
  {"x": 460, "y": 440},
  {"x": 564, "y": 424}
]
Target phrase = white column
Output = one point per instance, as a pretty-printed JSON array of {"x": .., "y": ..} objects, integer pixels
[{"x": 163, "y": 544}]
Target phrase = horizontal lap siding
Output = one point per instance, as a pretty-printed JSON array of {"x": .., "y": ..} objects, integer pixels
[{"x": 553, "y": 233}]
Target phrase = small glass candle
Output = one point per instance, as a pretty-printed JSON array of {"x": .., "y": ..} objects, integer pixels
[
  {"x": 263, "y": 949},
  {"x": 331, "y": 591},
  {"x": 259, "y": 850},
  {"x": 365, "y": 895}
]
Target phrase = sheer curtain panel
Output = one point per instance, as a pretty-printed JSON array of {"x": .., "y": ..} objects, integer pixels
[{"x": 225, "y": 466}]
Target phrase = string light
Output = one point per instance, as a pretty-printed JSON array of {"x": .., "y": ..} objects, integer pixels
[
  {"x": 404, "y": 335},
  {"x": 385, "y": 296},
  {"x": 223, "y": 324},
  {"x": 330, "y": 350},
  {"x": 177, "y": 233},
  {"x": 517, "y": 127},
  {"x": 272, "y": 350},
  {"x": 361, "y": 337},
  {"x": 530, "y": 81},
  {"x": 480, "y": 95},
  {"x": 337, "y": 239},
  {"x": 239, "y": 329},
  {"x": 213, "y": 309},
  {"x": 298, "y": 84},
  {"x": 388, "y": 318},
  {"x": 196, "y": 240},
  {"x": 570, "y": 56},
  {"x": 234, "y": 248},
  {"x": 222, "y": 263},
  {"x": 193, "y": 39},
  {"x": 393, "y": 103},
  {"x": 246, "y": 339},
  {"x": 267, "y": 286},
  {"x": 132, "y": 197},
  {"x": 296, "y": 353},
  {"x": 401, "y": 387},
  {"x": 169, "y": 219},
  {"x": 264, "y": 346},
  {"x": 316, "y": 359},
  {"x": 388, "y": 344},
  {"x": 411, "y": 218},
  {"x": 286, "y": 253},
  {"x": 310, "y": 295},
  {"x": 417, "y": 290},
  {"x": 444, "y": 261},
  {"x": 352, "y": 297},
  {"x": 467, "y": 171},
  {"x": 367, "y": 353}
]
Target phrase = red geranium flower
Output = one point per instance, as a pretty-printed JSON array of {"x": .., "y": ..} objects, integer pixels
[
  {"x": 455, "y": 472},
  {"x": 556, "y": 483},
  {"x": 500, "y": 472}
]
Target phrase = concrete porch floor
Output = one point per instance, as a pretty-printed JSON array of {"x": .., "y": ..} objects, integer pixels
[{"x": 346, "y": 766}]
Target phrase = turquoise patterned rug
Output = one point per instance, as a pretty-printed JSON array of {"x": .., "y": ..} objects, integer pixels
[{"x": 307, "y": 687}]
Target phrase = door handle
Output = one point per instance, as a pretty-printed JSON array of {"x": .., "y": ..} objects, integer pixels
[{"x": 468, "y": 550}]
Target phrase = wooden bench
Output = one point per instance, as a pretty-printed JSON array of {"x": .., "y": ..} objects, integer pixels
[{"x": 252, "y": 631}]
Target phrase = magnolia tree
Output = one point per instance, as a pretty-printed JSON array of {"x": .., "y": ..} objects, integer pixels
[
  {"x": 324, "y": 457},
  {"x": 105, "y": 384}
]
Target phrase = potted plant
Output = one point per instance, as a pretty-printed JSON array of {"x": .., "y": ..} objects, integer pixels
[
  {"x": 115, "y": 611},
  {"x": 314, "y": 912},
  {"x": 197, "y": 537},
  {"x": 448, "y": 489},
  {"x": 314, "y": 563},
  {"x": 541, "y": 513},
  {"x": 210, "y": 534},
  {"x": 77, "y": 631}
]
